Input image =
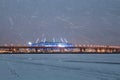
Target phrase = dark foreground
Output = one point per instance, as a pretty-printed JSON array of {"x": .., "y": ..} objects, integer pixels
[{"x": 60, "y": 67}]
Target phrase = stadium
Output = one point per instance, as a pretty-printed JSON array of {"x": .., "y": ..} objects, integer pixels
[{"x": 44, "y": 43}]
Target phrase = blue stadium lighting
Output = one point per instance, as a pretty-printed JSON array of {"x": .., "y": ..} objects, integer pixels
[
  {"x": 44, "y": 43},
  {"x": 52, "y": 44}
]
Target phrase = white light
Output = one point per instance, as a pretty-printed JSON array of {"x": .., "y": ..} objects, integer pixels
[
  {"x": 30, "y": 43},
  {"x": 60, "y": 45}
]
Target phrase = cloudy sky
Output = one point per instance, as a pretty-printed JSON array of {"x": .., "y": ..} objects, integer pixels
[{"x": 79, "y": 21}]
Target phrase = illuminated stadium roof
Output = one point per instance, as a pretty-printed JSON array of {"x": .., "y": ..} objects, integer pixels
[
  {"x": 51, "y": 44},
  {"x": 54, "y": 43}
]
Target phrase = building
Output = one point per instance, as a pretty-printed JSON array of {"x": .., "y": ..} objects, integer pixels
[{"x": 51, "y": 44}]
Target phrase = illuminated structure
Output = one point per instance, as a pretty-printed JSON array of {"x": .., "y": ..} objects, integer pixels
[
  {"x": 44, "y": 43},
  {"x": 51, "y": 44},
  {"x": 60, "y": 47}
]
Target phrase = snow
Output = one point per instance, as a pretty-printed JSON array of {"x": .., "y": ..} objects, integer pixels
[{"x": 60, "y": 67}]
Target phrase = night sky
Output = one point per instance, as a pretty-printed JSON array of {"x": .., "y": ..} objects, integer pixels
[{"x": 79, "y": 21}]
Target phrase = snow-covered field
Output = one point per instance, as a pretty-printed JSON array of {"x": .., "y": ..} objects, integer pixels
[{"x": 60, "y": 67}]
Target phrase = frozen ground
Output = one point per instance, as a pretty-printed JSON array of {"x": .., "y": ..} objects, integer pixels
[{"x": 60, "y": 67}]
